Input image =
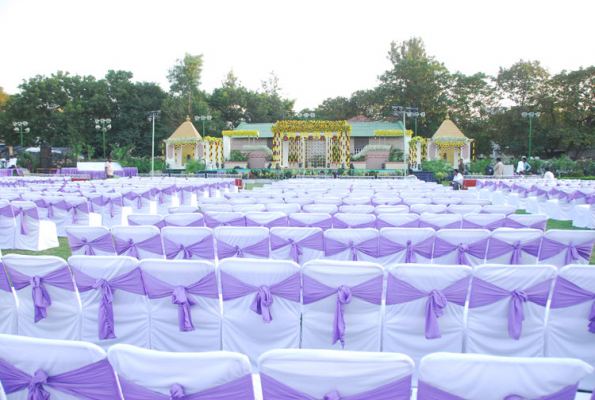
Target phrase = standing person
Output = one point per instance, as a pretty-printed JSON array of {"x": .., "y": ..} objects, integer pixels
[
  {"x": 457, "y": 180},
  {"x": 29, "y": 166},
  {"x": 499, "y": 168},
  {"x": 520, "y": 168},
  {"x": 109, "y": 169},
  {"x": 548, "y": 174},
  {"x": 461, "y": 166}
]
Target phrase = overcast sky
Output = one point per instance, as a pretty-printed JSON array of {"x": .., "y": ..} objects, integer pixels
[{"x": 318, "y": 49}]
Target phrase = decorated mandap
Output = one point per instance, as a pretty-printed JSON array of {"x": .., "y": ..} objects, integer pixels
[{"x": 187, "y": 144}]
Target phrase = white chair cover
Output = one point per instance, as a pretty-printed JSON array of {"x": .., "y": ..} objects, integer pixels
[
  {"x": 511, "y": 236},
  {"x": 440, "y": 221},
  {"x": 357, "y": 237},
  {"x": 491, "y": 209},
  {"x": 421, "y": 240},
  {"x": 562, "y": 239},
  {"x": 146, "y": 219},
  {"x": 302, "y": 201},
  {"x": 244, "y": 331},
  {"x": 241, "y": 237},
  {"x": 7, "y": 225},
  {"x": 487, "y": 326},
  {"x": 320, "y": 372},
  {"x": 405, "y": 323},
  {"x": 268, "y": 219},
  {"x": 90, "y": 233},
  {"x": 427, "y": 208},
  {"x": 184, "y": 220},
  {"x": 567, "y": 333},
  {"x": 308, "y": 219},
  {"x": 446, "y": 201},
  {"x": 475, "y": 239},
  {"x": 397, "y": 221},
  {"x": 391, "y": 200},
  {"x": 475, "y": 202},
  {"x": 353, "y": 221},
  {"x": 114, "y": 214},
  {"x": 187, "y": 237},
  {"x": 391, "y": 210},
  {"x": 138, "y": 234},
  {"x": 216, "y": 208},
  {"x": 195, "y": 372},
  {"x": 484, "y": 221},
  {"x": 40, "y": 235},
  {"x": 8, "y": 305},
  {"x": 359, "y": 209},
  {"x": 334, "y": 201},
  {"x": 76, "y": 206},
  {"x": 463, "y": 209},
  {"x": 51, "y": 356},
  {"x": 244, "y": 208},
  {"x": 242, "y": 201},
  {"x": 215, "y": 200},
  {"x": 320, "y": 208},
  {"x": 64, "y": 313},
  {"x": 130, "y": 310},
  {"x": 416, "y": 200},
  {"x": 489, "y": 377},
  {"x": 362, "y": 319},
  {"x": 285, "y": 208},
  {"x": 527, "y": 220},
  {"x": 215, "y": 219},
  {"x": 583, "y": 216},
  {"x": 206, "y": 313},
  {"x": 166, "y": 199},
  {"x": 305, "y": 253},
  {"x": 183, "y": 210},
  {"x": 355, "y": 201},
  {"x": 560, "y": 208},
  {"x": 59, "y": 214},
  {"x": 132, "y": 200},
  {"x": 266, "y": 201}
]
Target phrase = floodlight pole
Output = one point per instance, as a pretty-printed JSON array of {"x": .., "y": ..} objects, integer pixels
[
  {"x": 153, "y": 149},
  {"x": 530, "y": 115}
]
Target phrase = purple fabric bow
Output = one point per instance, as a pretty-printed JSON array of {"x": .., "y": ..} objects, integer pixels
[
  {"x": 484, "y": 293},
  {"x": 380, "y": 223},
  {"x": 511, "y": 223},
  {"x": 60, "y": 278},
  {"x": 31, "y": 213},
  {"x": 314, "y": 242},
  {"x": 499, "y": 248},
  {"x": 368, "y": 247},
  {"x": 399, "y": 292},
  {"x": 322, "y": 224},
  {"x": 204, "y": 248},
  {"x": 574, "y": 252},
  {"x": 233, "y": 288},
  {"x": 370, "y": 291},
  {"x": 490, "y": 226},
  {"x": 260, "y": 249},
  {"x": 452, "y": 225},
  {"x": 152, "y": 245},
  {"x": 159, "y": 192},
  {"x": 76, "y": 208},
  {"x": 139, "y": 197},
  {"x": 103, "y": 243},
  {"x": 567, "y": 294},
  {"x": 424, "y": 248},
  {"x": 6, "y": 211},
  {"x": 239, "y": 389},
  {"x": 130, "y": 282},
  {"x": 111, "y": 202},
  {"x": 213, "y": 223},
  {"x": 339, "y": 224},
  {"x": 94, "y": 200},
  {"x": 475, "y": 249},
  {"x": 426, "y": 391},
  {"x": 181, "y": 191},
  {"x": 398, "y": 390},
  {"x": 279, "y": 222},
  {"x": 206, "y": 287},
  {"x": 94, "y": 381}
]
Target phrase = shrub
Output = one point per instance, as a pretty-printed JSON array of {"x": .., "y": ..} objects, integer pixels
[
  {"x": 238, "y": 156},
  {"x": 194, "y": 165},
  {"x": 440, "y": 168}
]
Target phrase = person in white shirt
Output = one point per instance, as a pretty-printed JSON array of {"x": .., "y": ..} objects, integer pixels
[
  {"x": 548, "y": 174},
  {"x": 109, "y": 169},
  {"x": 520, "y": 168},
  {"x": 457, "y": 180}
]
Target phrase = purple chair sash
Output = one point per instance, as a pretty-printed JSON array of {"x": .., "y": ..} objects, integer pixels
[
  {"x": 233, "y": 288},
  {"x": 279, "y": 222},
  {"x": 4, "y": 282},
  {"x": 6, "y": 211},
  {"x": 93, "y": 381},
  {"x": 314, "y": 242},
  {"x": 541, "y": 225},
  {"x": 130, "y": 282},
  {"x": 239, "y": 389},
  {"x": 204, "y": 248},
  {"x": 159, "y": 224},
  {"x": 452, "y": 225},
  {"x": 339, "y": 224},
  {"x": 490, "y": 226},
  {"x": 213, "y": 223},
  {"x": 383, "y": 224},
  {"x": 424, "y": 248},
  {"x": 475, "y": 249},
  {"x": 61, "y": 205},
  {"x": 574, "y": 252},
  {"x": 567, "y": 294},
  {"x": 370, "y": 291},
  {"x": 322, "y": 224},
  {"x": 60, "y": 278},
  {"x": 102, "y": 243},
  {"x": 76, "y": 208},
  {"x": 399, "y": 292},
  {"x": 368, "y": 247},
  {"x": 31, "y": 213},
  {"x": 181, "y": 190},
  {"x": 428, "y": 392},
  {"x": 160, "y": 192},
  {"x": 152, "y": 245},
  {"x": 139, "y": 197},
  {"x": 96, "y": 200},
  {"x": 484, "y": 293},
  {"x": 499, "y": 248},
  {"x": 400, "y": 389},
  {"x": 197, "y": 223},
  {"x": 111, "y": 202},
  {"x": 260, "y": 249},
  {"x": 206, "y": 287}
]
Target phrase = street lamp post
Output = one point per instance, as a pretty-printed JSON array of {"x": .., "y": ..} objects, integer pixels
[
  {"x": 306, "y": 115},
  {"x": 152, "y": 116},
  {"x": 531, "y": 115},
  {"x": 411, "y": 112},
  {"x": 203, "y": 118},
  {"x": 104, "y": 125},
  {"x": 22, "y": 127}
]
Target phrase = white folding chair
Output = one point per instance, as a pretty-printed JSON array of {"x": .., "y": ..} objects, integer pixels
[
  {"x": 261, "y": 306},
  {"x": 514, "y": 246},
  {"x": 140, "y": 242},
  {"x": 475, "y": 202},
  {"x": 56, "y": 310},
  {"x": 80, "y": 214},
  {"x": 440, "y": 221},
  {"x": 8, "y": 305},
  {"x": 311, "y": 220},
  {"x": 113, "y": 211},
  {"x": 359, "y": 209},
  {"x": 297, "y": 244},
  {"x": 404, "y": 245},
  {"x": 386, "y": 201},
  {"x": 463, "y": 209},
  {"x": 424, "y": 311},
  {"x": 65, "y": 370},
  {"x": 583, "y": 216},
  {"x": 203, "y": 201},
  {"x": 460, "y": 247},
  {"x": 184, "y": 193},
  {"x": 189, "y": 243},
  {"x": 7, "y": 225},
  {"x": 353, "y": 221},
  {"x": 216, "y": 208},
  {"x": 301, "y": 201},
  {"x": 313, "y": 374},
  {"x": 409, "y": 201},
  {"x": 30, "y": 232},
  {"x": 242, "y": 201},
  {"x": 123, "y": 318},
  {"x": 244, "y": 208},
  {"x": 246, "y": 242},
  {"x": 138, "y": 199},
  {"x": 158, "y": 374},
  {"x": 534, "y": 221},
  {"x": 397, "y": 221},
  {"x": 351, "y": 244},
  {"x": 183, "y": 210},
  {"x": 447, "y": 201},
  {"x": 163, "y": 196},
  {"x": 570, "y": 328},
  {"x": 215, "y": 219},
  {"x": 184, "y": 220},
  {"x": 329, "y": 201},
  {"x": 285, "y": 208},
  {"x": 401, "y": 209},
  {"x": 507, "y": 309},
  {"x": 184, "y": 305},
  {"x": 562, "y": 247},
  {"x": 560, "y": 208},
  {"x": 427, "y": 208},
  {"x": 267, "y": 200},
  {"x": 356, "y": 201},
  {"x": 484, "y": 221},
  {"x": 342, "y": 305},
  {"x": 90, "y": 240},
  {"x": 156, "y": 220},
  {"x": 269, "y": 219},
  {"x": 492, "y": 209},
  {"x": 320, "y": 208},
  {"x": 489, "y": 377}
]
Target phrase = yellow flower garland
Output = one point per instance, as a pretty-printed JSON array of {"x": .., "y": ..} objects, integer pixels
[
  {"x": 310, "y": 126},
  {"x": 240, "y": 133},
  {"x": 393, "y": 132}
]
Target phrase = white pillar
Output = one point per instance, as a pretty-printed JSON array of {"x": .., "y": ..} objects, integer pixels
[
  {"x": 285, "y": 153},
  {"x": 207, "y": 152},
  {"x": 226, "y": 146}
]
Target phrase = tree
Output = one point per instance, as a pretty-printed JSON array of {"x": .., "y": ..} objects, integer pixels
[
  {"x": 335, "y": 109},
  {"x": 522, "y": 82},
  {"x": 3, "y": 98},
  {"x": 184, "y": 78}
]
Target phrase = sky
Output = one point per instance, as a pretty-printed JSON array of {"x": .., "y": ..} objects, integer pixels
[{"x": 318, "y": 49}]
